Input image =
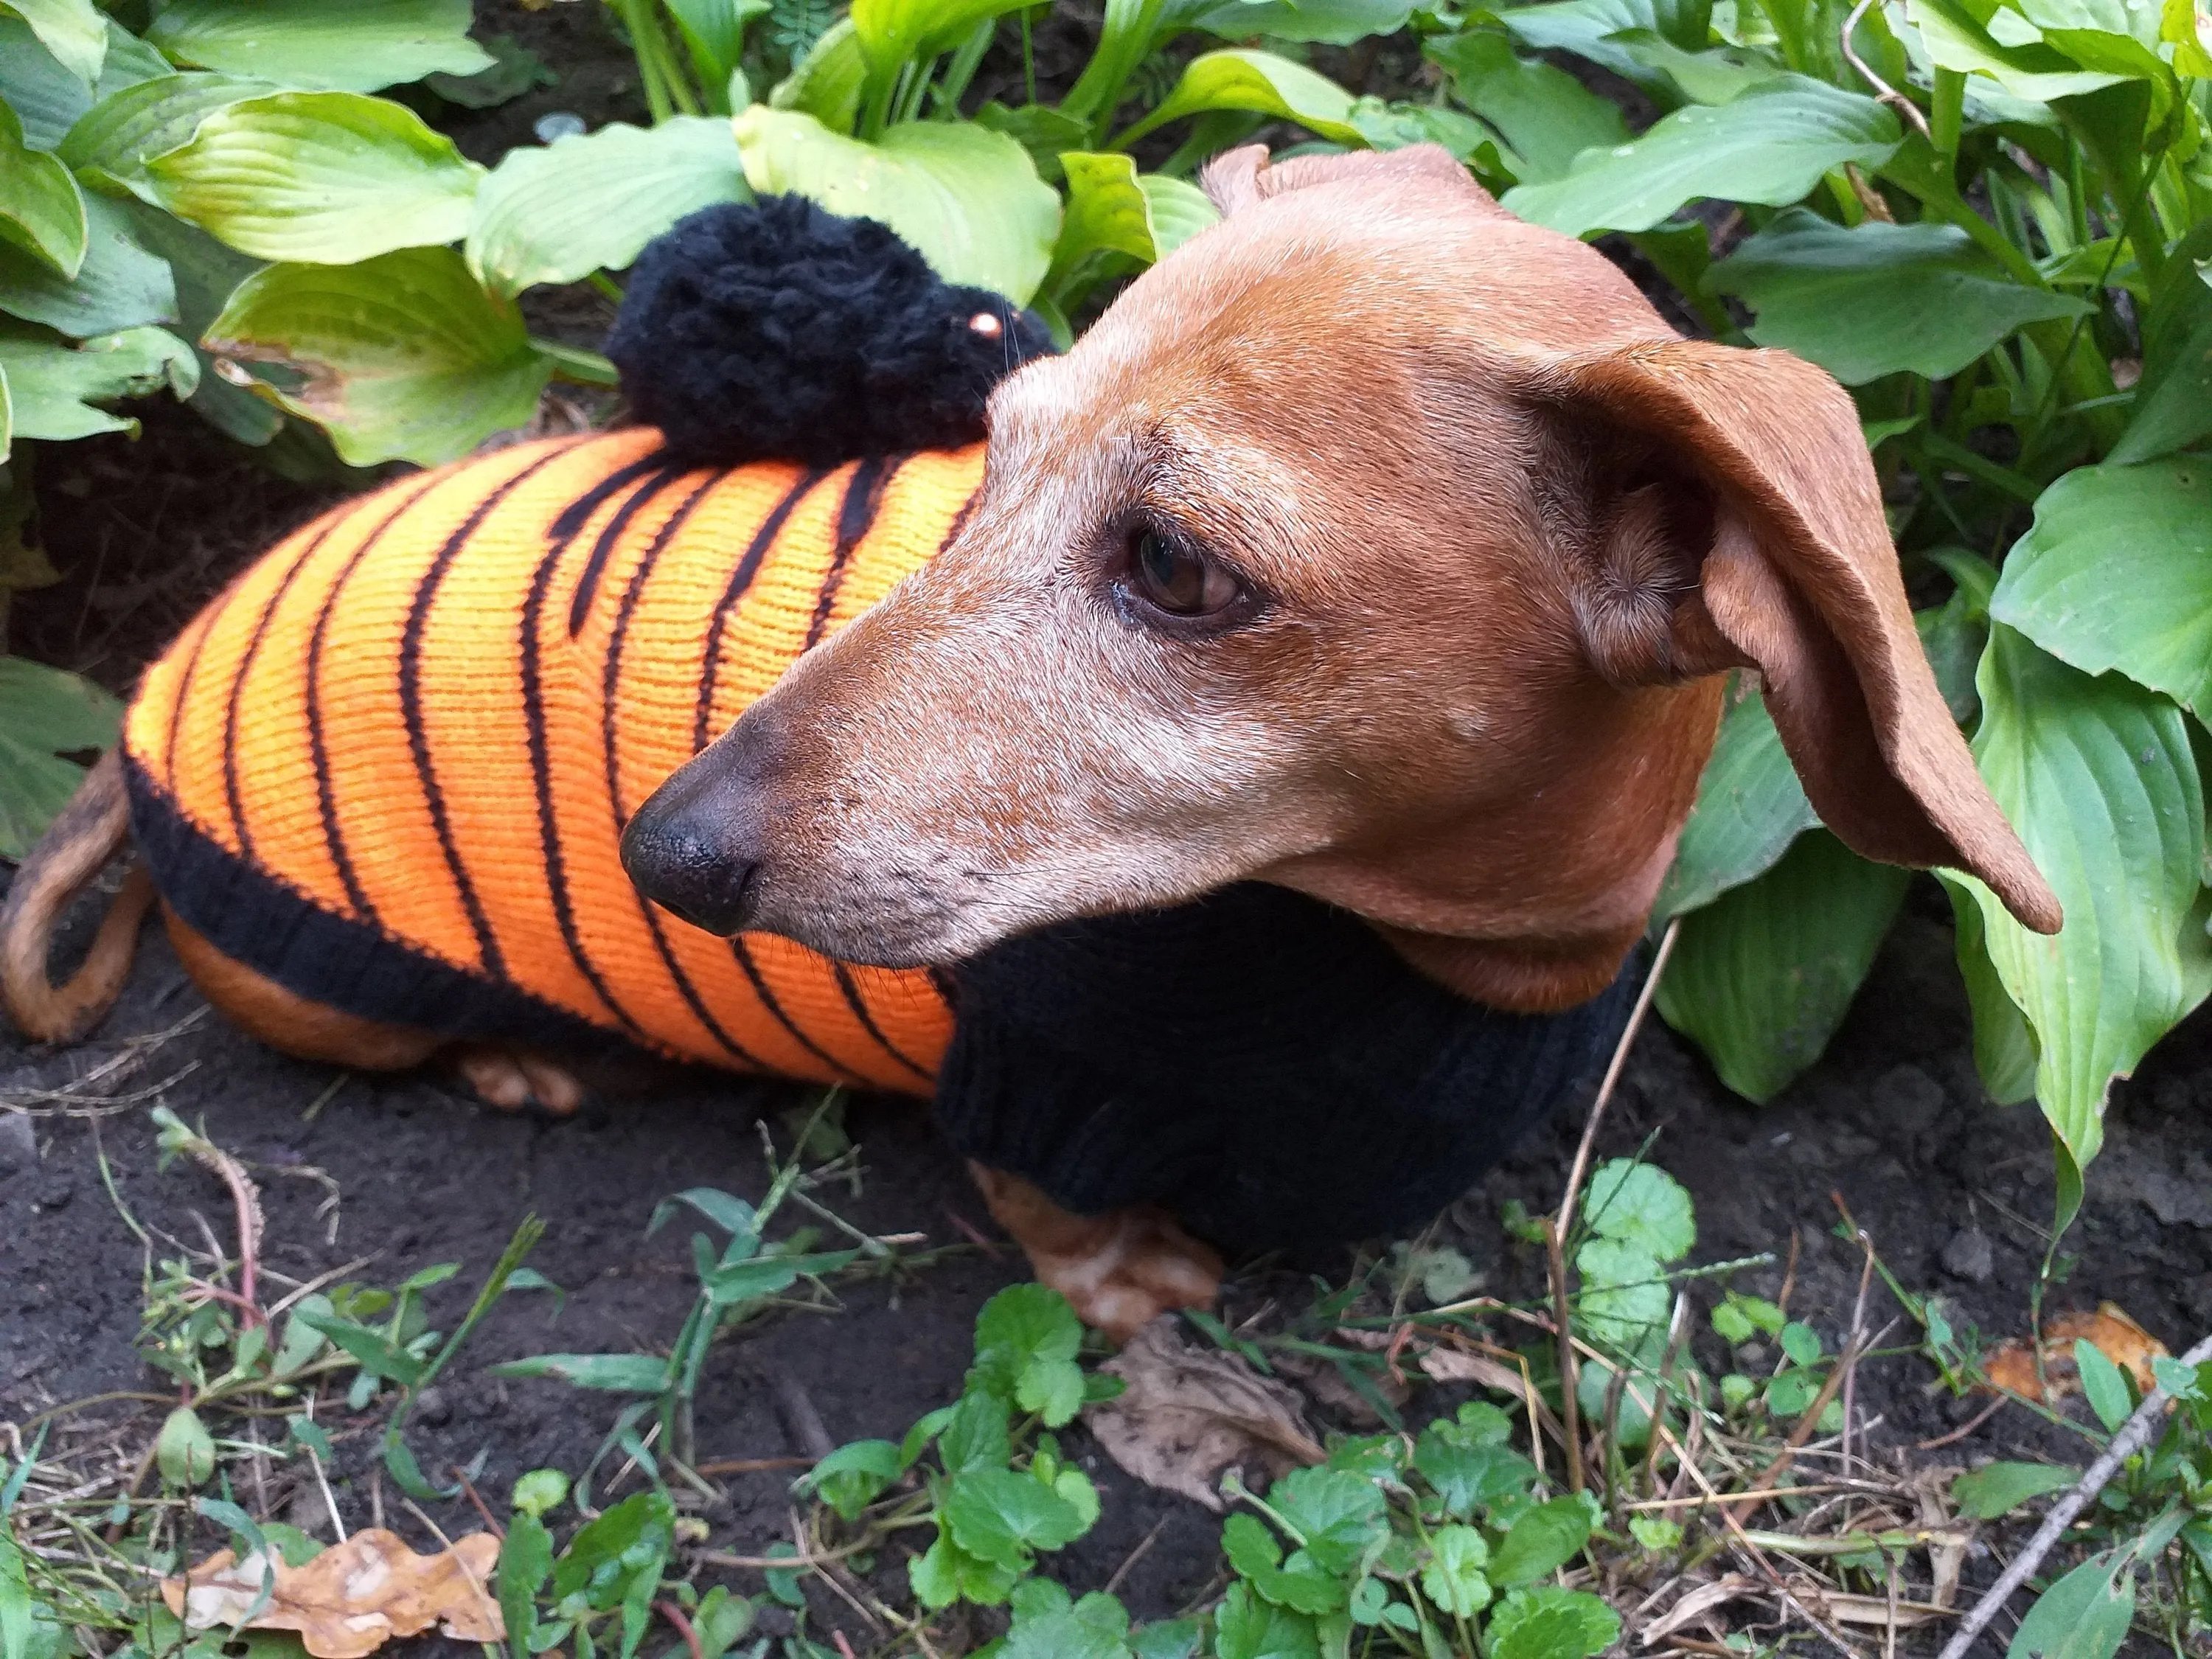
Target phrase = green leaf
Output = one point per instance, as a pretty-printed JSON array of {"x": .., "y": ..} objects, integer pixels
[
  {"x": 1761, "y": 977},
  {"x": 893, "y": 32},
  {"x": 1026, "y": 1338},
  {"x": 110, "y": 143},
  {"x": 2001, "y": 1488},
  {"x": 185, "y": 1451},
  {"x": 18, "y": 1613},
  {"x": 45, "y": 714},
  {"x": 1770, "y": 146},
  {"x": 52, "y": 386},
  {"x": 1546, "y": 115},
  {"x": 206, "y": 274},
  {"x": 359, "y": 47},
  {"x": 2098, "y": 777},
  {"x": 1625, "y": 1292},
  {"x": 2062, "y": 585},
  {"x": 1453, "y": 1578},
  {"x": 616, "y": 1373},
  {"x": 1259, "y": 82},
  {"x": 1879, "y": 299},
  {"x": 633, "y": 1533},
  {"x": 72, "y": 30},
  {"x": 975, "y": 1436},
  {"x": 829, "y": 82},
  {"x": 999, "y": 1516},
  {"x": 1640, "y": 1204},
  {"x": 323, "y": 178},
  {"x": 1587, "y": 28},
  {"x": 1339, "y": 1514},
  {"x": 2004, "y": 1043},
  {"x": 1325, "y": 23},
  {"x": 1111, "y": 208},
  {"x": 714, "y": 32},
  {"x": 2173, "y": 399},
  {"x": 1550, "y": 1623},
  {"x": 1253, "y": 1554},
  {"x": 403, "y": 355},
  {"x": 1465, "y": 1470},
  {"x": 969, "y": 199},
  {"x": 1247, "y": 1626},
  {"x": 120, "y": 285},
  {"x": 850, "y": 1478},
  {"x": 526, "y": 1562},
  {"x": 2085, "y": 1615},
  {"x": 41, "y": 209},
  {"x": 376, "y": 1354},
  {"x": 590, "y": 202},
  {"x": 1750, "y": 808},
  {"x": 1544, "y": 1539},
  {"x": 515, "y": 70},
  {"x": 2102, "y": 1385}
]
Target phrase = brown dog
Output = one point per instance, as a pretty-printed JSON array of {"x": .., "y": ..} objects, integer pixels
[{"x": 1375, "y": 544}]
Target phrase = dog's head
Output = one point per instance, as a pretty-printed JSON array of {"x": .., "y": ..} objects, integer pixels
[{"x": 1376, "y": 544}]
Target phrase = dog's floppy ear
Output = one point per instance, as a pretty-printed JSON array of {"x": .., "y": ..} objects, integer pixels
[
  {"x": 1238, "y": 178},
  {"x": 1782, "y": 563}
]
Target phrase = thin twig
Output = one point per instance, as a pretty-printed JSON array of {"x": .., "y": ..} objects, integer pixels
[
  {"x": 1570, "y": 1407},
  {"x": 1966, "y": 1429},
  {"x": 2135, "y": 1434},
  {"x": 1135, "y": 1555},
  {"x": 1612, "y": 1070},
  {"x": 1884, "y": 92}
]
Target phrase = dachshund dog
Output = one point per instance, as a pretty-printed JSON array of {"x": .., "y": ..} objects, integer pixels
[{"x": 1374, "y": 545}]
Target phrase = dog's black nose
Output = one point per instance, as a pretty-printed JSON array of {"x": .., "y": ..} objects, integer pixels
[{"x": 690, "y": 847}]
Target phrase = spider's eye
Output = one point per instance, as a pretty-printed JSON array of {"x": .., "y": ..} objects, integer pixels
[{"x": 1176, "y": 579}]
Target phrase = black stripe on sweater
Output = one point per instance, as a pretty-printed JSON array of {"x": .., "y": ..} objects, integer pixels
[
  {"x": 864, "y": 494},
  {"x": 740, "y": 580}
]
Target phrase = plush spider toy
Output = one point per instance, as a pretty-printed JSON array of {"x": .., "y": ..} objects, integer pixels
[{"x": 389, "y": 768}]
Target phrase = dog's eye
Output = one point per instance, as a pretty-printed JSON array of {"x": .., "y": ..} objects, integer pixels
[{"x": 1177, "y": 580}]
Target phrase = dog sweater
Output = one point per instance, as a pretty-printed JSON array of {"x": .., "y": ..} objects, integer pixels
[{"x": 389, "y": 767}]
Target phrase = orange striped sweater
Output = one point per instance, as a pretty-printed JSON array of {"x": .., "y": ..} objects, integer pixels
[{"x": 389, "y": 767}]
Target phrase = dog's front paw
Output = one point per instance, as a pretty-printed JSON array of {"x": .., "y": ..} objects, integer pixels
[
  {"x": 512, "y": 1079},
  {"x": 1118, "y": 1271}
]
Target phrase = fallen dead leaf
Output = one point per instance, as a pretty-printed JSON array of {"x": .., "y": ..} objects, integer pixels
[
  {"x": 1700, "y": 1603},
  {"x": 352, "y": 1598},
  {"x": 1187, "y": 1412},
  {"x": 2011, "y": 1368},
  {"x": 1845, "y": 1607},
  {"x": 1454, "y": 1365},
  {"x": 1947, "y": 1546}
]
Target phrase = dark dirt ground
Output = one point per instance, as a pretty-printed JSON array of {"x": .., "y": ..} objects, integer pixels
[{"x": 1952, "y": 1188}]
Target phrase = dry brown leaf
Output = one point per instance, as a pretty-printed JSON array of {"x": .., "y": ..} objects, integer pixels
[
  {"x": 2110, "y": 1330},
  {"x": 1455, "y": 1365},
  {"x": 1699, "y": 1603},
  {"x": 1947, "y": 1546},
  {"x": 1188, "y": 1413},
  {"x": 352, "y": 1598},
  {"x": 1845, "y": 1608}
]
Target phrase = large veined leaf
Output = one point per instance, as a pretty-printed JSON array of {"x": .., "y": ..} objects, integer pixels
[
  {"x": 206, "y": 274},
  {"x": 2173, "y": 399},
  {"x": 1761, "y": 977},
  {"x": 589, "y": 203},
  {"x": 53, "y": 386},
  {"x": 111, "y": 143},
  {"x": 1750, "y": 807},
  {"x": 404, "y": 356},
  {"x": 1585, "y": 27},
  {"x": 1957, "y": 40},
  {"x": 324, "y": 177},
  {"x": 1262, "y": 83},
  {"x": 1326, "y": 22},
  {"x": 2004, "y": 1043},
  {"x": 1772, "y": 145},
  {"x": 1880, "y": 298},
  {"x": 120, "y": 285},
  {"x": 359, "y": 46},
  {"x": 893, "y": 31},
  {"x": 969, "y": 199},
  {"x": 827, "y": 82},
  {"x": 72, "y": 30},
  {"x": 2098, "y": 776},
  {"x": 48, "y": 97},
  {"x": 1113, "y": 209},
  {"x": 44, "y": 716},
  {"x": 41, "y": 209},
  {"x": 2116, "y": 573},
  {"x": 714, "y": 34},
  {"x": 1547, "y": 116}
]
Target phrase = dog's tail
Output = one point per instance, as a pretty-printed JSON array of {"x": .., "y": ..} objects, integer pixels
[{"x": 91, "y": 829}]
